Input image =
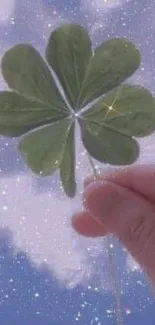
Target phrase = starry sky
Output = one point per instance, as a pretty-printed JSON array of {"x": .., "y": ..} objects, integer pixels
[{"x": 49, "y": 274}]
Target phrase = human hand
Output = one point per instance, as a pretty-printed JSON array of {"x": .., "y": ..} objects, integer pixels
[{"x": 122, "y": 202}]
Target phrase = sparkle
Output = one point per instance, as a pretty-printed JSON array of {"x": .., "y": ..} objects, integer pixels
[
  {"x": 128, "y": 311},
  {"x": 5, "y": 208}
]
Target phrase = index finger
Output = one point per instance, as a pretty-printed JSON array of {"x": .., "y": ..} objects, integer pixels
[{"x": 138, "y": 178}]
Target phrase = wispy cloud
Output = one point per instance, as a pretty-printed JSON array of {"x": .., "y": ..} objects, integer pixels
[
  {"x": 102, "y": 4},
  {"x": 6, "y": 10},
  {"x": 41, "y": 226},
  {"x": 98, "y": 12}
]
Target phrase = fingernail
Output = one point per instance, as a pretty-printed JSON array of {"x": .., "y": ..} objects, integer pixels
[
  {"x": 91, "y": 179},
  {"x": 104, "y": 201},
  {"x": 88, "y": 180}
]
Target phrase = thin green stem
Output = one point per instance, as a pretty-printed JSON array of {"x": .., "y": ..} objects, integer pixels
[
  {"x": 94, "y": 169},
  {"x": 112, "y": 262},
  {"x": 114, "y": 281}
]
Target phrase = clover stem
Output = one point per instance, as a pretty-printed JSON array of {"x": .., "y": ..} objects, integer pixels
[
  {"x": 93, "y": 167},
  {"x": 112, "y": 263}
]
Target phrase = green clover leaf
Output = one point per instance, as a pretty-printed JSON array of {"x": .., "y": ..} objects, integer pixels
[
  {"x": 37, "y": 110},
  {"x": 84, "y": 73}
]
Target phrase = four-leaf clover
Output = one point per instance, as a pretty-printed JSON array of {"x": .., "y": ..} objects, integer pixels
[{"x": 45, "y": 115}]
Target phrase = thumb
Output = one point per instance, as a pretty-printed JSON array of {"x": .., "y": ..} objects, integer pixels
[{"x": 127, "y": 215}]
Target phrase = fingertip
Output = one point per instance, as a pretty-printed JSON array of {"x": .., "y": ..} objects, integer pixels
[
  {"x": 100, "y": 176},
  {"x": 91, "y": 179},
  {"x": 88, "y": 180},
  {"x": 95, "y": 193},
  {"x": 87, "y": 226}
]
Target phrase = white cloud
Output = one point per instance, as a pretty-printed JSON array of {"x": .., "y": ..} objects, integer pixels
[
  {"x": 107, "y": 4},
  {"x": 102, "y": 4},
  {"x": 6, "y": 10},
  {"x": 99, "y": 9},
  {"x": 41, "y": 226}
]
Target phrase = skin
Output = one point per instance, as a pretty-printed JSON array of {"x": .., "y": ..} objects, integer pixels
[{"x": 122, "y": 202}]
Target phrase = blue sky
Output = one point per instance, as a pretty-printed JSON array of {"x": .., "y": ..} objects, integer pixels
[{"x": 48, "y": 273}]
